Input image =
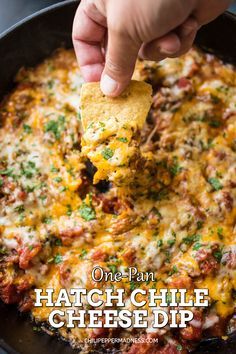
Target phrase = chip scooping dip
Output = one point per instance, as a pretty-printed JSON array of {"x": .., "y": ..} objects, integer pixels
[{"x": 112, "y": 129}]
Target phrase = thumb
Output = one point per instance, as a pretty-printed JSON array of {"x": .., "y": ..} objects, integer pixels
[{"x": 122, "y": 52}]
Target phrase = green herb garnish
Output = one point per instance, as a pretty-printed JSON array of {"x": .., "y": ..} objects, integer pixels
[
  {"x": 123, "y": 140},
  {"x": 58, "y": 258},
  {"x": 27, "y": 128},
  {"x": 215, "y": 183},
  {"x": 107, "y": 153},
  {"x": 87, "y": 212}
]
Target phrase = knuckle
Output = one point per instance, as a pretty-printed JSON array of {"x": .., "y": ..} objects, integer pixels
[
  {"x": 116, "y": 68},
  {"x": 88, "y": 6}
]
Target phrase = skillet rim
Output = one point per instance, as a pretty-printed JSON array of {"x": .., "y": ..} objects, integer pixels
[{"x": 38, "y": 14}]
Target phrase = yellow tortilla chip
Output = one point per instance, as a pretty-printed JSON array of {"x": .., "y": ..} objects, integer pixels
[
  {"x": 133, "y": 104},
  {"x": 112, "y": 129}
]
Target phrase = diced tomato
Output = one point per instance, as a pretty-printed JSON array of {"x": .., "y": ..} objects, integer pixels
[
  {"x": 99, "y": 255},
  {"x": 9, "y": 294},
  {"x": 69, "y": 234},
  {"x": 181, "y": 283},
  {"x": 27, "y": 254},
  {"x": 193, "y": 332},
  {"x": 111, "y": 206},
  {"x": 183, "y": 82},
  {"x": 64, "y": 274},
  {"x": 22, "y": 195}
]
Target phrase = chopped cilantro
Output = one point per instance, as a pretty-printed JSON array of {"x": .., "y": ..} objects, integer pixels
[
  {"x": 215, "y": 123},
  {"x": 57, "y": 179},
  {"x": 220, "y": 233},
  {"x": 58, "y": 242},
  {"x": 69, "y": 210},
  {"x": 215, "y": 99},
  {"x": 43, "y": 197},
  {"x": 63, "y": 189},
  {"x": 188, "y": 240},
  {"x": 123, "y": 140},
  {"x": 156, "y": 212},
  {"x": 3, "y": 251},
  {"x": 30, "y": 189},
  {"x": 87, "y": 212},
  {"x": 55, "y": 126},
  {"x": 168, "y": 298},
  {"x": 54, "y": 169},
  {"x": 215, "y": 183},
  {"x": 199, "y": 224},
  {"x": 197, "y": 246},
  {"x": 36, "y": 329},
  {"x": 171, "y": 242},
  {"x": 107, "y": 153},
  {"x": 1, "y": 182},
  {"x": 102, "y": 126},
  {"x": 158, "y": 195},
  {"x": 179, "y": 347},
  {"x": 20, "y": 209},
  {"x": 50, "y": 84},
  {"x": 159, "y": 243},
  {"x": 7, "y": 172},
  {"x": 173, "y": 270},
  {"x": 78, "y": 116},
  {"x": 27, "y": 128},
  {"x": 167, "y": 254},
  {"x": 47, "y": 220},
  {"x": 175, "y": 168},
  {"x": 29, "y": 169},
  {"x": 58, "y": 258},
  {"x": 133, "y": 285},
  {"x": 218, "y": 255},
  {"x": 83, "y": 254},
  {"x": 113, "y": 268}
]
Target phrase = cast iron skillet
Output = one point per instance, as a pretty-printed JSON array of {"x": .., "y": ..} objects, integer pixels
[{"x": 26, "y": 44}]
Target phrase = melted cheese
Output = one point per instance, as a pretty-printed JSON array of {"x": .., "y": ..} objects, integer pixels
[{"x": 57, "y": 225}]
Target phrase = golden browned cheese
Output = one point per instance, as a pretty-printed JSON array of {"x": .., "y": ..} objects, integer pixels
[{"x": 55, "y": 225}]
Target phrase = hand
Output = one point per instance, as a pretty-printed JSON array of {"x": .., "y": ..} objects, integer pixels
[{"x": 109, "y": 35}]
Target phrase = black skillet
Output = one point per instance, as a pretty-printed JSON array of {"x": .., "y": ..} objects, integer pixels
[{"x": 26, "y": 44}]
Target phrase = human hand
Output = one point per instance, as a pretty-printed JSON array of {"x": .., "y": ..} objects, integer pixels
[{"x": 108, "y": 35}]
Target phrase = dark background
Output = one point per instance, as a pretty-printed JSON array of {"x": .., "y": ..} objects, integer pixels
[{"x": 11, "y": 11}]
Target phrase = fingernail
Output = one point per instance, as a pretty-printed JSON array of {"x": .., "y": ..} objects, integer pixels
[
  {"x": 108, "y": 85},
  {"x": 170, "y": 48}
]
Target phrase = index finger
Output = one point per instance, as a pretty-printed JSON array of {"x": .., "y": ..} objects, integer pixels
[{"x": 89, "y": 30}]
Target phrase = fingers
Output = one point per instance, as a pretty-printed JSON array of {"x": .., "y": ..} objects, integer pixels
[
  {"x": 160, "y": 48},
  {"x": 187, "y": 33},
  {"x": 173, "y": 44},
  {"x": 88, "y": 33},
  {"x": 207, "y": 11},
  {"x": 121, "y": 57}
]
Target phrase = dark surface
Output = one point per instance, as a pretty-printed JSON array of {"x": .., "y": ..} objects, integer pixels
[
  {"x": 33, "y": 40},
  {"x": 12, "y": 11},
  {"x": 27, "y": 45},
  {"x": 19, "y": 333}
]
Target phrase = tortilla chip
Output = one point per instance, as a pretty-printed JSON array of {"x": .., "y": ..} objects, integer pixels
[
  {"x": 112, "y": 129},
  {"x": 133, "y": 104}
]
